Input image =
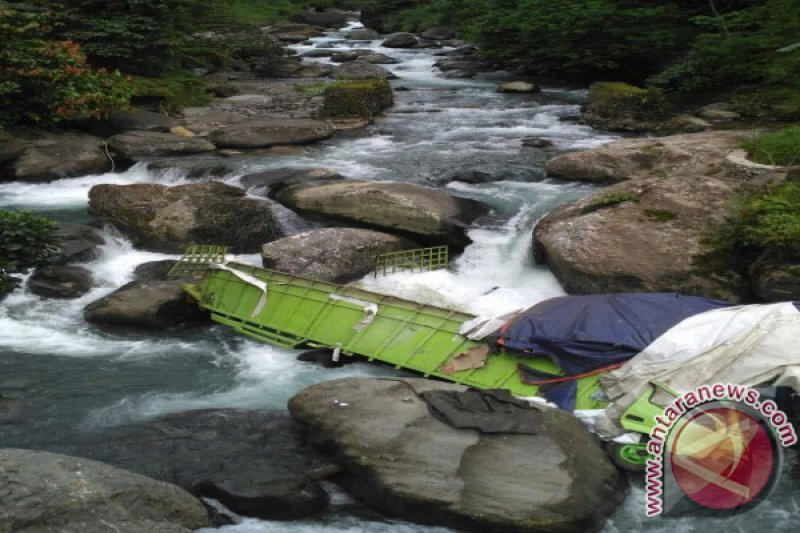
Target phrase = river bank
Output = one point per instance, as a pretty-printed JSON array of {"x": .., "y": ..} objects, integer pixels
[{"x": 72, "y": 381}]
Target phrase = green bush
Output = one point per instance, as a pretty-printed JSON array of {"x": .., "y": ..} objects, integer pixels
[
  {"x": 47, "y": 81},
  {"x": 26, "y": 241},
  {"x": 740, "y": 46},
  {"x": 772, "y": 219},
  {"x": 171, "y": 92},
  {"x": 779, "y": 148}
]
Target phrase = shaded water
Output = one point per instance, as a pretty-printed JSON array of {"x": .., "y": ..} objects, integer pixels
[{"x": 75, "y": 379}]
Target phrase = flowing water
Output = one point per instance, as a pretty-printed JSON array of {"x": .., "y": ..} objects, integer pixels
[{"x": 78, "y": 379}]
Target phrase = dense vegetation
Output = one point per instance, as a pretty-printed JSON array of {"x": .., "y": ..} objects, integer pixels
[
  {"x": 679, "y": 44},
  {"x": 778, "y": 148},
  {"x": 89, "y": 57},
  {"x": 26, "y": 241}
]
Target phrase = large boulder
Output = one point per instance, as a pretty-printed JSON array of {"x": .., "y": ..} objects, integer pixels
[
  {"x": 649, "y": 232},
  {"x": 420, "y": 213},
  {"x": 256, "y": 462},
  {"x": 270, "y": 181},
  {"x": 363, "y": 35},
  {"x": 43, "y": 491},
  {"x": 622, "y": 107},
  {"x": 379, "y": 59},
  {"x": 76, "y": 242},
  {"x": 168, "y": 219},
  {"x": 361, "y": 70},
  {"x": 139, "y": 145},
  {"x": 154, "y": 270},
  {"x": 402, "y": 461},
  {"x": 146, "y": 305},
  {"x": 290, "y": 67},
  {"x": 60, "y": 281},
  {"x": 401, "y": 40},
  {"x": 629, "y": 159},
  {"x": 338, "y": 255},
  {"x": 135, "y": 119},
  {"x": 263, "y": 133},
  {"x": 518, "y": 87},
  {"x": 296, "y": 32},
  {"x": 363, "y": 99},
  {"x": 328, "y": 18},
  {"x": 52, "y": 157}
]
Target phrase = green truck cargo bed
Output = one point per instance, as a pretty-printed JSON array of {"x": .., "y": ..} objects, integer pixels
[{"x": 295, "y": 312}]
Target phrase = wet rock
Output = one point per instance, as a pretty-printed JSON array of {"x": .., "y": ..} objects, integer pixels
[
  {"x": 146, "y": 305},
  {"x": 328, "y": 18},
  {"x": 422, "y": 214},
  {"x": 52, "y": 157},
  {"x": 402, "y": 461},
  {"x": 363, "y": 35},
  {"x": 168, "y": 219},
  {"x": 154, "y": 270},
  {"x": 320, "y": 52},
  {"x": 139, "y": 145},
  {"x": 345, "y": 56},
  {"x": 649, "y": 232},
  {"x": 439, "y": 33},
  {"x": 338, "y": 255},
  {"x": 136, "y": 119},
  {"x": 268, "y": 182},
  {"x": 76, "y": 243},
  {"x": 290, "y": 68},
  {"x": 775, "y": 277},
  {"x": 365, "y": 99},
  {"x": 537, "y": 142},
  {"x": 295, "y": 33},
  {"x": 718, "y": 112},
  {"x": 361, "y": 70},
  {"x": 518, "y": 87},
  {"x": 10, "y": 149},
  {"x": 379, "y": 59},
  {"x": 255, "y": 462},
  {"x": 474, "y": 176},
  {"x": 458, "y": 74},
  {"x": 60, "y": 281},
  {"x": 629, "y": 159},
  {"x": 682, "y": 124},
  {"x": 263, "y": 133},
  {"x": 401, "y": 40},
  {"x": 195, "y": 167},
  {"x": 50, "y": 492},
  {"x": 623, "y": 107}
]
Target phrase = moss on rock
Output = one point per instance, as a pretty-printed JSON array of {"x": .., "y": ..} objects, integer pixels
[
  {"x": 361, "y": 98},
  {"x": 619, "y": 106}
]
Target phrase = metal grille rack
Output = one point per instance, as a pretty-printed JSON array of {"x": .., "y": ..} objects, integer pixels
[
  {"x": 198, "y": 260},
  {"x": 417, "y": 260}
]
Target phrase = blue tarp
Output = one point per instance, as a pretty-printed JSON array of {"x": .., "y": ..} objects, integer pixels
[{"x": 586, "y": 333}]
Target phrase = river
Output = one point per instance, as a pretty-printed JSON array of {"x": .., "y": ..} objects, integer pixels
[{"x": 78, "y": 379}]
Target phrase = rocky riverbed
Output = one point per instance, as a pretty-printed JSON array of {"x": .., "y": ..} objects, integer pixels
[{"x": 102, "y": 357}]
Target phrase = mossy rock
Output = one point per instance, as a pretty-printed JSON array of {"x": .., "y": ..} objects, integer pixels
[
  {"x": 363, "y": 98},
  {"x": 781, "y": 104},
  {"x": 619, "y": 106}
]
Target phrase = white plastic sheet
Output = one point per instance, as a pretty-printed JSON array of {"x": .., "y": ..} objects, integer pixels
[{"x": 749, "y": 345}]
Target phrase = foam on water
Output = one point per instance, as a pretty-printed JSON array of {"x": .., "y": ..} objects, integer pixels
[{"x": 70, "y": 193}]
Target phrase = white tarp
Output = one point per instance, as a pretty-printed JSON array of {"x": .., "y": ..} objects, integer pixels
[{"x": 749, "y": 345}]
